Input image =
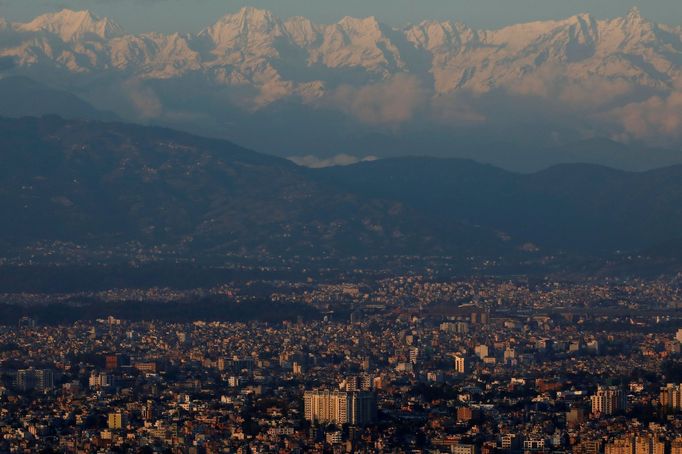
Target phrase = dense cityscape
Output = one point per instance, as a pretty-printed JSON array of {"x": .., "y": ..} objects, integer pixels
[
  {"x": 405, "y": 364},
  {"x": 376, "y": 226}
]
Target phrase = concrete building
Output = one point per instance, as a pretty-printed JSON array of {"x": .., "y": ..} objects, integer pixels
[
  {"x": 676, "y": 446},
  {"x": 608, "y": 400},
  {"x": 340, "y": 407},
  {"x": 460, "y": 364},
  {"x": 671, "y": 397},
  {"x": 649, "y": 444},
  {"x": 35, "y": 379},
  {"x": 461, "y": 448},
  {"x": 117, "y": 420}
]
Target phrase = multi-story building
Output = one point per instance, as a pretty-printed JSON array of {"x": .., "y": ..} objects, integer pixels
[
  {"x": 362, "y": 408},
  {"x": 460, "y": 364},
  {"x": 648, "y": 444},
  {"x": 671, "y": 396},
  {"x": 462, "y": 448},
  {"x": 676, "y": 446},
  {"x": 117, "y": 420},
  {"x": 100, "y": 380},
  {"x": 510, "y": 441},
  {"x": 147, "y": 368},
  {"x": 608, "y": 400},
  {"x": 624, "y": 445},
  {"x": 414, "y": 355},
  {"x": 587, "y": 447},
  {"x": 534, "y": 444},
  {"x": 363, "y": 382},
  {"x": 38, "y": 379},
  {"x": 148, "y": 411},
  {"x": 340, "y": 407}
]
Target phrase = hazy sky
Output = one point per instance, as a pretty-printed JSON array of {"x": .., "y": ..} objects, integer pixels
[{"x": 193, "y": 15}]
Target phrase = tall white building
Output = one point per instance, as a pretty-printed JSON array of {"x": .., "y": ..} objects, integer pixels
[
  {"x": 608, "y": 400},
  {"x": 340, "y": 407}
]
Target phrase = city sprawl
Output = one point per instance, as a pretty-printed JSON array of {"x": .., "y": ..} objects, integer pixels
[{"x": 401, "y": 364}]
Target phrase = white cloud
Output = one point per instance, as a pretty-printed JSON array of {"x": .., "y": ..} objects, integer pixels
[
  {"x": 387, "y": 103},
  {"x": 657, "y": 120},
  {"x": 342, "y": 159}
]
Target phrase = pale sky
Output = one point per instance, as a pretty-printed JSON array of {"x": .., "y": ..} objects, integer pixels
[{"x": 193, "y": 15}]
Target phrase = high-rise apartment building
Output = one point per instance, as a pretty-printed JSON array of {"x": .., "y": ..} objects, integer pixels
[
  {"x": 460, "y": 364},
  {"x": 340, "y": 407},
  {"x": 671, "y": 396},
  {"x": 608, "y": 400},
  {"x": 624, "y": 445},
  {"x": 117, "y": 420},
  {"x": 362, "y": 382},
  {"x": 38, "y": 379},
  {"x": 148, "y": 411},
  {"x": 100, "y": 380},
  {"x": 649, "y": 444},
  {"x": 414, "y": 355},
  {"x": 676, "y": 446}
]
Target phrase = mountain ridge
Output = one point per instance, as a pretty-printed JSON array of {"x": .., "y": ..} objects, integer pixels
[
  {"x": 365, "y": 43},
  {"x": 112, "y": 184}
]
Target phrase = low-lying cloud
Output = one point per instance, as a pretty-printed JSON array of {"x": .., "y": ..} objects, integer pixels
[
  {"x": 343, "y": 159},
  {"x": 657, "y": 119},
  {"x": 388, "y": 103}
]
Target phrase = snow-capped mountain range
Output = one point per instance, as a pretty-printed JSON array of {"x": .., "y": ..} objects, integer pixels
[
  {"x": 254, "y": 47},
  {"x": 615, "y": 70}
]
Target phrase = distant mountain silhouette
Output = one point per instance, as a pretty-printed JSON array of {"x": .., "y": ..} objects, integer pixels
[
  {"x": 112, "y": 183},
  {"x": 109, "y": 183},
  {"x": 571, "y": 207}
]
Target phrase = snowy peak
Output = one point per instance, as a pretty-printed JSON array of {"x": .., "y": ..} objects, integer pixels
[
  {"x": 74, "y": 25},
  {"x": 575, "y": 39},
  {"x": 631, "y": 31},
  {"x": 255, "y": 48},
  {"x": 360, "y": 26},
  {"x": 634, "y": 24},
  {"x": 634, "y": 15},
  {"x": 247, "y": 27},
  {"x": 441, "y": 36},
  {"x": 302, "y": 31},
  {"x": 354, "y": 42}
]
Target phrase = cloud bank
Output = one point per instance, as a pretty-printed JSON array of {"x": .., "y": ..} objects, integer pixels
[{"x": 343, "y": 159}]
